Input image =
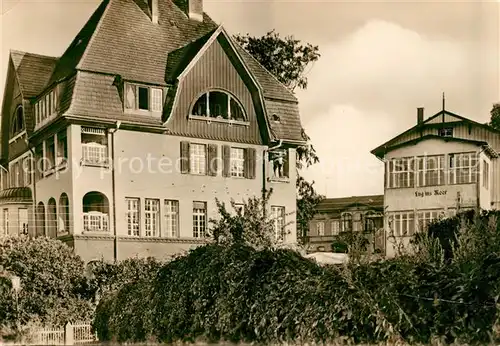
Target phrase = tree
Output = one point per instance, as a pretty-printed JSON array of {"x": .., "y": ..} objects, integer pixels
[
  {"x": 287, "y": 59},
  {"x": 495, "y": 116}
]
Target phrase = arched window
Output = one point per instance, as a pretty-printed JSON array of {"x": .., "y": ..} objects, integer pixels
[
  {"x": 369, "y": 222},
  {"x": 52, "y": 218},
  {"x": 63, "y": 226},
  {"x": 218, "y": 105},
  {"x": 95, "y": 212},
  {"x": 347, "y": 222},
  {"x": 40, "y": 220},
  {"x": 17, "y": 121}
]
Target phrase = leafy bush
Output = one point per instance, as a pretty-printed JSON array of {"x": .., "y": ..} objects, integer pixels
[{"x": 54, "y": 287}]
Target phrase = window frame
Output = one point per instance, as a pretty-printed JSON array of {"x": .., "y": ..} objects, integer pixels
[
  {"x": 421, "y": 226},
  {"x": 445, "y": 132},
  {"x": 347, "y": 218},
  {"x": 404, "y": 216},
  {"x": 152, "y": 98},
  {"x": 278, "y": 214},
  {"x": 129, "y": 216},
  {"x": 423, "y": 172},
  {"x": 171, "y": 218},
  {"x": 230, "y": 98},
  {"x": 200, "y": 159},
  {"x": 199, "y": 220},
  {"x": 320, "y": 228},
  {"x": 335, "y": 227},
  {"x": 471, "y": 169},
  {"x": 151, "y": 217},
  {"x": 408, "y": 163},
  {"x": 486, "y": 174},
  {"x": 239, "y": 170}
]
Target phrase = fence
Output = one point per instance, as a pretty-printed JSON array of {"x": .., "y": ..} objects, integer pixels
[{"x": 78, "y": 333}]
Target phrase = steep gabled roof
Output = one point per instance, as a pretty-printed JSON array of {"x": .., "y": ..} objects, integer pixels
[
  {"x": 334, "y": 205},
  {"x": 448, "y": 117},
  {"x": 33, "y": 71}
]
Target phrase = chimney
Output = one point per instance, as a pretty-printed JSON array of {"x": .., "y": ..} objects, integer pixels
[
  {"x": 153, "y": 7},
  {"x": 420, "y": 115},
  {"x": 192, "y": 8}
]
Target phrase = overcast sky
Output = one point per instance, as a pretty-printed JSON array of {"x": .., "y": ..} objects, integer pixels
[{"x": 379, "y": 62}]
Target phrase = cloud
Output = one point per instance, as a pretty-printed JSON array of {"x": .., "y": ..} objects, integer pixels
[{"x": 365, "y": 89}]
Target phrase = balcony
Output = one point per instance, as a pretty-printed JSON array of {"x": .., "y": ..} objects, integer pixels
[
  {"x": 95, "y": 221},
  {"x": 95, "y": 154}
]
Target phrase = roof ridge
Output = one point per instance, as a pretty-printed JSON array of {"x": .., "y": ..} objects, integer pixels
[{"x": 33, "y": 54}]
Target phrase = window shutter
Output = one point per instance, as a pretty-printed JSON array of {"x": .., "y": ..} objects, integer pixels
[
  {"x": 184, "y": 157},
  {"x": 226, "y": 158},
  {"x": 212, "y": 160},
  {"x": 250, "y": 163}
]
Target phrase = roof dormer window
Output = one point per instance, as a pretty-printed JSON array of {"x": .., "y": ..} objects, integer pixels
[
  {"x": 143, "y": 98},
  {"x": 218, "y": 105},
  {"x": 17, "y": 125},
  {"x": 46, "y": 107},
  {"x": 446, "y": 132}
]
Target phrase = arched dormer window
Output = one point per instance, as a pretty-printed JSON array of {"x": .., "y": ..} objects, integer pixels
[
  {"x": 17, "y": 125},
  {"x": 217, "y": 104}
]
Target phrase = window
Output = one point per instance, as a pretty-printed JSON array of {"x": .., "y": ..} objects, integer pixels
[
  {"x": 320, "y": 228},
  {"x": 171, "y": 218},
  {"x": 50, "y": 151},
  {"x": 278, "y": 214},
  {"x": 27, "y": 170},
  {"x": 151, "y": 217},
  {"x": 17, "y": 121},
  {"x": 486, "y": 174},
  {"x": 446, "y": 132},
  {"x": 219, "y": 105},
  {"x": 462, "y": 168},
  {"x": 197, "y": 155},
  {"x": 369, "y": 222},
  {"x": 335, "y": 227},
  {"x": 94, "y": 147},
  {"x": 280, "y": 159},
  {"x": 133, "y": 216},
  {"x": 401, "y": 172},
  {"x": 347, "y": 222},
  {"x": 139, "y": 97},
  {"x": 237, "y": 162},
  {"x": 5, "y": 221},
  {"x": 403, "y": 224},
  {"x": 430, "y": 170},
  {"x": 46, "y": 107},
  {"x": 199, "y": 219},
  {"x": 424, "y": 218},
  {"x": 95, "y": 221},
  {"x": 62, "y": 148}
]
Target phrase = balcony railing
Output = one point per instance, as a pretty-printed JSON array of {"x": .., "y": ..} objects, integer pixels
[
  {"x": 95, "y": 221},
  {"x": 94, "y": 154}
]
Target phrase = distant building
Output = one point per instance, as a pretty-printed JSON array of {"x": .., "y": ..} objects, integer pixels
[
  {"x": 439, "y": 166},
  {"x": 348, "y": 214},
  {"x": 120, "y": 146}
]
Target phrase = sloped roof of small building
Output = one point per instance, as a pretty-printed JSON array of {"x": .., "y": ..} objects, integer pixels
[{"x": 332, "y": 205}]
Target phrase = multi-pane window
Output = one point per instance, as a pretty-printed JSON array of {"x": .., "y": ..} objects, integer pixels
[
  {"x": 46, "y": 107},
  {"x": 26, "y": 168},
  {"x": 62, "y": 148},
  {"x": 151, "y": 217},
  {"x": 50, "y": 150},
  {"x": 446, "y": 132},
  {"x": 401, "y": 172},
  {"x": 403, "y": 223},
  {"x": 95, "y": 221},
  {"x": 424, "y": 218},
  {"x": 430, "y": 170},
  {"x": 278, "y": 215},
  {"x": 320, "y": 228},
  {"x": 94, "y": 153},
  {"x": 347, "y": 222},
  {"x": 237, "y": 162},
  {"x": 171, "y": 218},
  {"x": 133, "y": 211},
  {"x": 462, "y": 168},
  {"x": 143, "y": 98},
  {"x": 335, "y": 227},
  {"x": 486, "y": 174},
  {"x": 198, "y": 158},
  {"x": 218, "y": 104},
  {"x": 199, "y": 219}
]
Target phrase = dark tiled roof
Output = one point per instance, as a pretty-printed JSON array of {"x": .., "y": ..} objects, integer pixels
[
  {"x": 338, "y": 204},
  {"x": 120, "y": 39},
  {"x": 33, "y": 71},
  {"x": 288, "y": 126},
  {"x": 16, "y": 195}
]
